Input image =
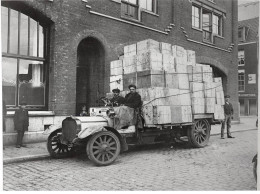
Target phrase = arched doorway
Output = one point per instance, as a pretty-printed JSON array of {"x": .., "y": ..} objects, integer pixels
[
  {"x": 90, "y": 73},
  {"x": 218, "y": 73}
]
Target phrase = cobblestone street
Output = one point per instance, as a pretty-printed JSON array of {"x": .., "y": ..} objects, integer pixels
[{"x": 222, "y": 165}]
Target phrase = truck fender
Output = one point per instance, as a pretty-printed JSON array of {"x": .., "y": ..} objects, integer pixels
[
  {"x": 51, "y": 129},
  {"x": 90, "y": 130},
  {"x": 122, "y": 139}
]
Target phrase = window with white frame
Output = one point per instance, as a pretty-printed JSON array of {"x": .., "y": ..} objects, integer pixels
[
  {"x": 23, "y": 61},
  {"x": 241, "y": 58},
  {"x": 241, "y": 80},
  {"x": 208, "y": 21},
  {"x": 195, "y": 17},
  {"x": 132, "y": 8}
]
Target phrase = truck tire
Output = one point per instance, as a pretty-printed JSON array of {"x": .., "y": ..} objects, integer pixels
[
  {"x": 55, "y": 148},
  {"x": 199, "y": 133},
  {"x": 103, "y": 148}
]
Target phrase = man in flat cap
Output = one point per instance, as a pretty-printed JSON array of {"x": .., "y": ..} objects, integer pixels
[
  {"x": 21, "y": 123},
  {"x": 228, "y": 110},
  {"x": 117, "y": 100}
]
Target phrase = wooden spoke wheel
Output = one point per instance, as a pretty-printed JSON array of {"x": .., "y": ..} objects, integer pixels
[
  {"x": 55, "y": 148},
  {"x": 103, "y": 148},
  {"x": 199, "y": 133}
]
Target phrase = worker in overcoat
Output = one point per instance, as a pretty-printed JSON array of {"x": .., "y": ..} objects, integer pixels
[
  {"x": 228, "y": 110},
  {"x": 21, "y": 123},
  {"x": 133, "y": 100}
]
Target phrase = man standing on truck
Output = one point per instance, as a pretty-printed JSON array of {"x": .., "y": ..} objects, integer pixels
[
  {"x": 133, "y": 100},
  {"x": 228, "y": 110}
]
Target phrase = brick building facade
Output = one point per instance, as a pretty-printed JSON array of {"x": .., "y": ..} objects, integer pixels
[
  {"x": 80, "y": 38},
  {"x": 248, "y": 66}
]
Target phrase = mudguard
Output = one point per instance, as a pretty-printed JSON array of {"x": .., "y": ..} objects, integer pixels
[
  {"x": 51, "y": 129},
  {"x": 91, "y": 129}
]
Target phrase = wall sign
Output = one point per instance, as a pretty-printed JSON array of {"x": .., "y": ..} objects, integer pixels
[{"x": 251, "y": 78}]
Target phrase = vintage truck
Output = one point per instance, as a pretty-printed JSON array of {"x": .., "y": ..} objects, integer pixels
[{"x": 103, "y": 143}]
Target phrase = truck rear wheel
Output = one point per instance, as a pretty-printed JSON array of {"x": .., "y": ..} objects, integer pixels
[
  {"x": 103, "y": 148},
  {"x": 199, "y": 133}
]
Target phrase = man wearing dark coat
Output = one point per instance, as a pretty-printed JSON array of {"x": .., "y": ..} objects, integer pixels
[
  {"x": 21, "y": 123},
  {"x": 133, "y": 99},
  {"x": 117, "y": 100},
  {"x": 228, "y": 110}
]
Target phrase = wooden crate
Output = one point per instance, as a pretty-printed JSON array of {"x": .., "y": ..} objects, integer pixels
[
  {"x": 129, "y": 64},
  {"x": 197, "y": 89},
  {"x": 168, "y": 63},
  {"x": 210, "y": 89},
  {"x": 128, "y": 79},
  {"x": 149, "y": 61},
  {"x": 181, "y": 114},
  {"x": 185, "y": 97},
  {"x": 191, "y": 57},
  {"x": 150, "y": 78},
  {"x": 210, "y": 105},
  {"x": 172, "y": 96},
  {"x": 157, "y": 115},
  {"x": 220, "y": 98},
  {"x": 147, "y": 45},
  {"x": 198, "y": 105},
  {"x": 217, "y": 80},
  {"x": 130, "y": 50},
  {"x": 181, "y": 69},
  {"x": 177, "y": 81},
  {"x": 219, "y": 112},
  {"x": 144, "y": 93},
  {"x": 195, "y": 73},
  {"x": 116, "y": 81},
  {"x": 207, "y": 73},
  {"x": 178, "y": 51},
  {"x": 116, "y": 67},
  {"x": 165, "y": 48}
]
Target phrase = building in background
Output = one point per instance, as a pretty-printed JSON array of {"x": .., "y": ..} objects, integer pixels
[
  {"x": 248, "y": 25},
  {"x": 56, "y": 54}
]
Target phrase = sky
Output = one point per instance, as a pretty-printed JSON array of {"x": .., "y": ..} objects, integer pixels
[{"x": 245, "y": 1}]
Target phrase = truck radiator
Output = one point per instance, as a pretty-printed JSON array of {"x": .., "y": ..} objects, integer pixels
[{"x": 70, "y": 128}]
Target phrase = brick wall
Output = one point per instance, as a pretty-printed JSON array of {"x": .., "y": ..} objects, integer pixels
[{"x": 70, "y": 22}]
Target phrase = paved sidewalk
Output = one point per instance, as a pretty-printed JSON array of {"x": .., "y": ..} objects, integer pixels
[{"x": 35, "y": 151}]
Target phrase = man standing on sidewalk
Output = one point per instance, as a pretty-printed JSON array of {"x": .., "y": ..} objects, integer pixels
[
  {"x": 21, "y": 123},
  {"x": 228, "y": 110}
]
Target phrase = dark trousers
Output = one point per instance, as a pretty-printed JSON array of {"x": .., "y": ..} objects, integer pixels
[
  {"x": 227, "y": 122},
  {"x": 20, "y": 134}
]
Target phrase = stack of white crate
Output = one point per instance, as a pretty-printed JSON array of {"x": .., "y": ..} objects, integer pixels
[{"x": 172, "y": 85}]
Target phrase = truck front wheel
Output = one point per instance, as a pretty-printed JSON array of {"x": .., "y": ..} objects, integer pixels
[
  {"x": 103, "y": 148},
  {"x": 199, "y": 133}
]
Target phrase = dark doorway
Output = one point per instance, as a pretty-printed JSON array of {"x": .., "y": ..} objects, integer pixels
[
  {"x": 90, "y": 73},
  {"x": 218, "y": 73}
]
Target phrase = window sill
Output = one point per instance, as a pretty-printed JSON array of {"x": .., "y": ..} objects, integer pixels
[
  {"x": 218, "y": 36},
  {"x": 241, "y": 65},
  {"x": 117, "y": 1},
  {"x": 33, "y": 113},
  {"x": 132, "y": 20},
  {"x": 206, "y": 42},
  {"x": 149, "y": 12},
  {"x": 198, "y": 29}
]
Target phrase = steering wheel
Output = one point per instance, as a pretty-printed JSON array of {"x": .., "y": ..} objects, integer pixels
[{"x": 106, "y": 101}]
